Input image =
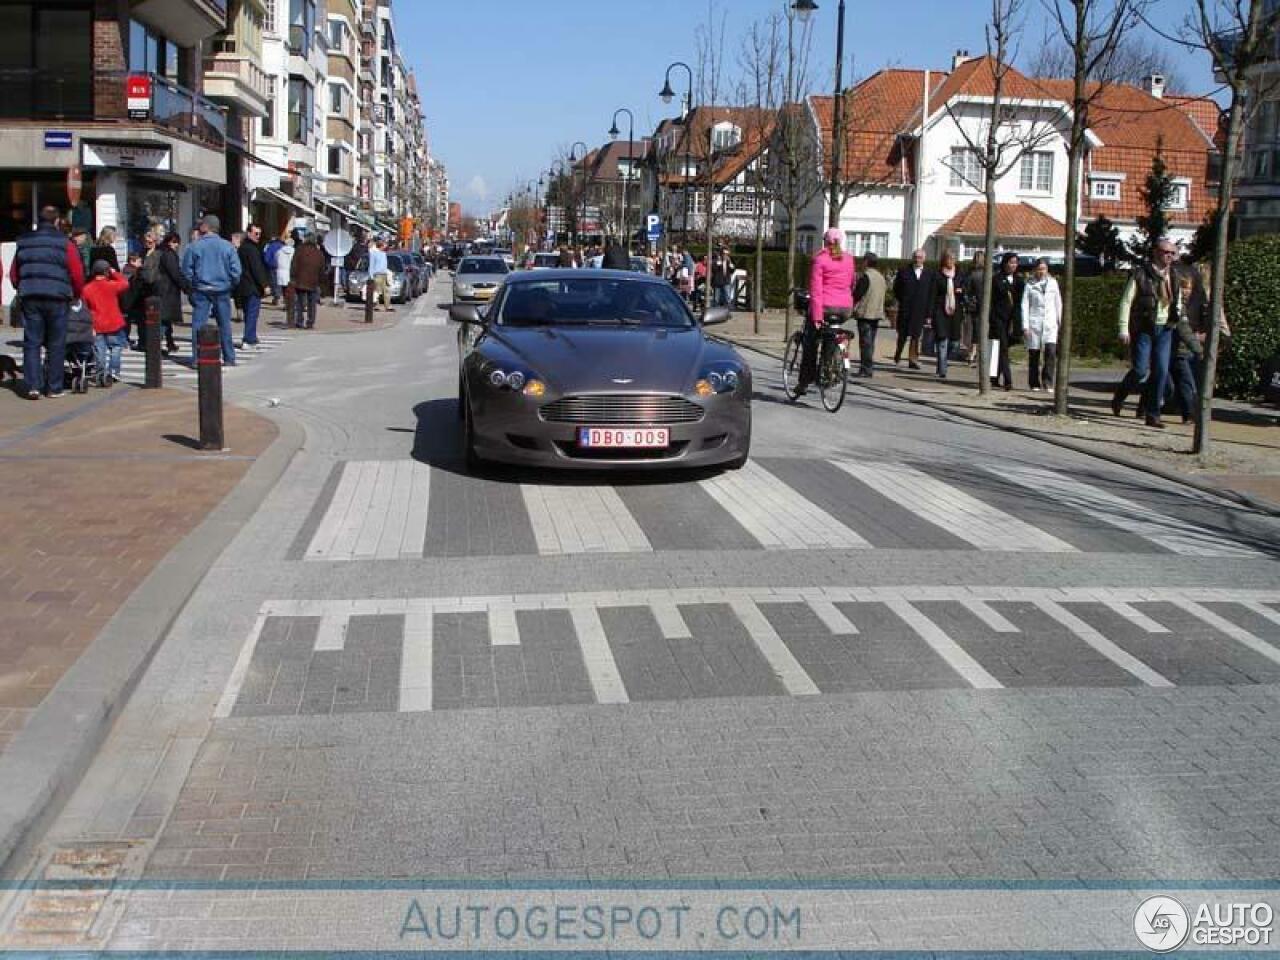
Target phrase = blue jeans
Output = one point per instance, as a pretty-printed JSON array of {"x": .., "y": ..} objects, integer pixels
[
  {"x": 944, "y": 354},
  {"x": 1151, "y": 366},
  {"x": 722, "y": 295},
  {"x": 219, "y": 304},
  {"x": 252, "y": 308},
  {"x": 44, "y": 326},
  {"x": 108, "y": 347}
]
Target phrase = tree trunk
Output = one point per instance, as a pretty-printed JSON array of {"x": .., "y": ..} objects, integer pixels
[
  {"x": 1202, "y": 444},
  {"x": 984, "y": 315},
  {"x": 757, "y": 283},
  {"x": 791, "y": 269},
  {"x": 1062, "y": 379}
]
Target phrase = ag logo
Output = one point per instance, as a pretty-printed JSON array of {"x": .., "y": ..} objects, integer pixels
[{"x": 1161, "y": 923}]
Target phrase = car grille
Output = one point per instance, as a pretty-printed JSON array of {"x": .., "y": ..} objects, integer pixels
[{"x": 621, "y": 409}]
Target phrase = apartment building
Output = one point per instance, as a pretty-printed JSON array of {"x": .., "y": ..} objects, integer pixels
[
  {"x": 1258, "y": 188},
  {"x": 336, "y": 188}
]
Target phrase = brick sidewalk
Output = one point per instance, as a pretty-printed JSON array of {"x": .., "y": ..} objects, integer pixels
[
  {"x": 344, "y": 318},
  {"x": 97, "y": 490},
  {"x": 1246, "y": 436}
]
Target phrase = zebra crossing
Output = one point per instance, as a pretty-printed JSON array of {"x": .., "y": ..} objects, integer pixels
[
  {"x": 133, "y": 363},
  {"x": 406, "y": 509},
  {"x": 614, "y": 647}
]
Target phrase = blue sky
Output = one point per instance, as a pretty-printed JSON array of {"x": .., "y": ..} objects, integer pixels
[{"x": 506, "y": 83}]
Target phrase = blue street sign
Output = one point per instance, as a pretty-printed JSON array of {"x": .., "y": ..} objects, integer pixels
[
  {"x": 57, "y": 139},
  {"x": 653, "y": 227}
]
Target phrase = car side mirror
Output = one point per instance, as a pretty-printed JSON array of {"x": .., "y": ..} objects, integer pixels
[
  {"x": 716, "y": 315},
  {"x": 465, "y": 314}
]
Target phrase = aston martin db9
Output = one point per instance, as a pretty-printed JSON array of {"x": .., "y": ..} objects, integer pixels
[{"x": 598, "y": 369}]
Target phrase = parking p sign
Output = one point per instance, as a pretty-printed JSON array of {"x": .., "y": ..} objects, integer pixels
[{"x": 653, "y": 227}]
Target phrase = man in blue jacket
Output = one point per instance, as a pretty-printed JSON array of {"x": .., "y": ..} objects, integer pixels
[
  {"x": 48, "y": 274},
  {"x": 212, "y": 266}
]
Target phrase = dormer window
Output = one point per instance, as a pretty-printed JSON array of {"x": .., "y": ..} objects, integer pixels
[{"x": 725, "y": 136}]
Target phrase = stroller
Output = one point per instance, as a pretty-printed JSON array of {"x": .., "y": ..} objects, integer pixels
[{"x": 81, "y": 360}]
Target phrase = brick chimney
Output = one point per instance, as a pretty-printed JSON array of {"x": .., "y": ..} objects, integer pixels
[{"x": 1155, "y": 85}]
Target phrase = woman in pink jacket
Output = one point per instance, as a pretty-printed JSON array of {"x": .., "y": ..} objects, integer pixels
[{"x": 831, "y": 282}]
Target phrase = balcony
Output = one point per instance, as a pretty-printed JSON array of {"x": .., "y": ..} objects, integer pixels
[
  {"x": 185, "y": 22},
  {"x": 237, "y": 79}
]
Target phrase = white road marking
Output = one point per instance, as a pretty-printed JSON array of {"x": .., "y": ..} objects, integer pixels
[
  {"x": 1234, "y": 631},
  {"x": 503, "y": 629},
  {"x": 327, "y": 532},
  {"x": 392, "y": 533},
  {"x": 353, "y": 520},
  {"x": 956, "y": 656},
  {"x": 785, "y": 666},
  {"x": 375, "y": 514},
  {"x": 670, "y": 621},
  {"x": 994, "y": 621},
  {"x": 379, "y": 510},
  {"x": 1122, "y": 659},
  {"x": 332, "y": 632},
  {"x": 831, "y": 617},
  {"x": 953, "y": 510},
  {"x": 596, "y": 655},
  {"x": 231, "y": 692},
  {"x": 1136, "y": 617},
  {"x": 1263, "y": 611},
  {"x": 416, "y": 659},
  {"x": 580, "y": 519},
  {"x": 414, "y": 535},
  {"x": 777, "y": 516},
  {"x": 1172, "y": 534}
]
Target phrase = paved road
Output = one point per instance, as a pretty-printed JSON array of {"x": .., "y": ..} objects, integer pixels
[{"x": 895, "y": 646}]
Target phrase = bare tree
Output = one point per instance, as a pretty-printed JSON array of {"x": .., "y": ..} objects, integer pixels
[
  {"x": 1239, "y": 35},
  {"x": 1134, "y": 59},
  {"x": 710, "y": 65},
  {"x": 1093, "y": 32},
  {"x": 794, "y": 173},
  {"x": 761, "y": 61},
  {"x": 998, "y": 145}
]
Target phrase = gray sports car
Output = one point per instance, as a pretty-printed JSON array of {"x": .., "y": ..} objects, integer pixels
[{"x": 598, "y": 369}]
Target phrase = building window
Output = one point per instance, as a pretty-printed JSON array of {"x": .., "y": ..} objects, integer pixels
[
  {"x": 300, "y": 110},
  {"x": 269, "y": 121},
  {"x": 1104, "y": 189},
  {"x": 724, "y": 136},
  {"x": 859, "y": 243},
  {"x": 966, "y": 171},
  {"x": 269, "y": 23},
  {"x": 337, "y": 99},
  {"x": 339, "y": 36},
  {"x": 337, "y": 161},
  {"x": 302, "y": 26},
  {"x": 1180, "y": 197},
  {"x": 739, "y": 204},
  {"x": 1037, "y": 172}
]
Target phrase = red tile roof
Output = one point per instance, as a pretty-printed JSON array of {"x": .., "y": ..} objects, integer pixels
[
  {"x": 755, "y": 124},
  {"x": 1013, "y": 221}
]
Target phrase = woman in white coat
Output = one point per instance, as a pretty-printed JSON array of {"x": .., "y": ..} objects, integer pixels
[
  {"x": 284, "y": 263},
  {"x": 1041, "y": 320}
]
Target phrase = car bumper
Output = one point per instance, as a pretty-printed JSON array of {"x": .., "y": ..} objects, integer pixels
[
  {"x": 475, "y": 296},
  {"x": 508, "y": 430}
]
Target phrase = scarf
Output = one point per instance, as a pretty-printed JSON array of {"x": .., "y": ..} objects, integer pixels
[{"x": 950, "y": 274}]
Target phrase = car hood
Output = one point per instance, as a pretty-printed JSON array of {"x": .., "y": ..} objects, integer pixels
[
  {"x": 576, "y": 359},
  {"x": 471, "y": 279}
]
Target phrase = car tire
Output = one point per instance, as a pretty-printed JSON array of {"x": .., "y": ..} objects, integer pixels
[
  {"x": 462, "y": 400},
  {"x": 473, "y": 459}
]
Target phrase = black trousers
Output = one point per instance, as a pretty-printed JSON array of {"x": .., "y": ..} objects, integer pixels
[
  {"x": 809, "y": 345},
  {"x": 1037, "y": 377},
  {"x": 867, "y": 345}
]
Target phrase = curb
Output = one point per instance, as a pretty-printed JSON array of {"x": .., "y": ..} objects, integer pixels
[
  {"x": 45, "y": 762},
  {"x": 1172, "y": 476}
]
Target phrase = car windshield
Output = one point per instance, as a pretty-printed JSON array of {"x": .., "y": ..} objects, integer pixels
[
  {"x": 547, "y": 259},
  {"x": 483, "y": 266},
  {"x": 603, "y": 302},
  {"x": 395, "y": 263}
]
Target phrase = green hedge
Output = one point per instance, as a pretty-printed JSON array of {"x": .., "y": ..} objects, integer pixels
[
  {"x": 1095, "y": 308},
  {"x": 776, "y": 287},
  {"x": 1253, "y": 311}
]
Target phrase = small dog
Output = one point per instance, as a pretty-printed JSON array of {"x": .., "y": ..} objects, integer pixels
[{"x": 8, "y": 367}]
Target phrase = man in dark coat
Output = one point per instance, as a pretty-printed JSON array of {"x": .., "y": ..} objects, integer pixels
[
  {"x": 615, "y": 257},
  {"x": 48, "y": 273},
  {"x": 306, "y": 273},
  {"x": 913, "y": 289},
  {"x": 255, "y": 279}
]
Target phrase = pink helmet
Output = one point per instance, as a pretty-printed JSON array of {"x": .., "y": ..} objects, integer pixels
[{"x": 832, "y": 236}]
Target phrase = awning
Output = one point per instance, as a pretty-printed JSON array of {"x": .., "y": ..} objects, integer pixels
[
  {"x": 383, "y": 225},
  {"x": 288, "y": 201}
]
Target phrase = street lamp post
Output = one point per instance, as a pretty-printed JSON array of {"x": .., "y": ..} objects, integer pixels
[
  {"x": 666, "y": 93},
  {"x": 626, "y": 182},
  {"x": 556, "y": 175},
  {"x": 572, "y": 159},
  {"x": 804, "y": 8}
]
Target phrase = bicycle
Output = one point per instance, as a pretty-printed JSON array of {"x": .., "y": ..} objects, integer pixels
[{"x": 833, "y": 361}]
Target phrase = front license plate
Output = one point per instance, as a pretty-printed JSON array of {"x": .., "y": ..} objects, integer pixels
[{"x": 639, "y": 437}]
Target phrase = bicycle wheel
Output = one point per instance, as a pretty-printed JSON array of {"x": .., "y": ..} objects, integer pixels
[
  {"x": 791, "y": 366},
  {"x": 833, "y": 375}
]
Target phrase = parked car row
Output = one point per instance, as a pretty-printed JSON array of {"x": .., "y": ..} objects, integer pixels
[{"x": 411, "y": 275}]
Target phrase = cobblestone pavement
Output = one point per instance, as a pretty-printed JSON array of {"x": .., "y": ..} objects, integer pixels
[{"x": 896, "y": 648}]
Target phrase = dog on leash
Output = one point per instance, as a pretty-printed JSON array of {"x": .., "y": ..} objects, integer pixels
[{"x": 8, "y": 367}]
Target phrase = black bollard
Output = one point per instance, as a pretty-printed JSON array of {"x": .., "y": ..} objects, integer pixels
[
  {"x": 150, "y": 333},
  {"x": 209, "y": 371},
  {"x": 368, "y": 300}
]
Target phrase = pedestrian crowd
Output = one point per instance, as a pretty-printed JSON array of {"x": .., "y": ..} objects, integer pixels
[{"x": 74, "y": 295}]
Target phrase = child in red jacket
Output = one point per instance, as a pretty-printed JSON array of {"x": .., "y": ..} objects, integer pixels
[{"x": 102, "y": 297}]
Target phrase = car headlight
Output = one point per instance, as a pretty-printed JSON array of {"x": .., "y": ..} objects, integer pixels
[
  {"x": 717, "y": 378},
  {"x": 514, "y": 380}
]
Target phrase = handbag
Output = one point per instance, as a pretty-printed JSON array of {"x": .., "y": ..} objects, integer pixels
[{"x": 993, "y": 355}]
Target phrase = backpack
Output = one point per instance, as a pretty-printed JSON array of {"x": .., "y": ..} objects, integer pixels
[
  {"x": 269, "y": 256},
  {"x": 151, "y": 268}
]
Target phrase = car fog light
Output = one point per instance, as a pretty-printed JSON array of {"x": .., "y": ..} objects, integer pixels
[
  {"x": 515, "y": 380},
  {"x": 498, "y": 378},
  {"x": 535, "y": 388},
  {"x": 703, "y": 389},
  {"x": 731, "y": 380}
]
